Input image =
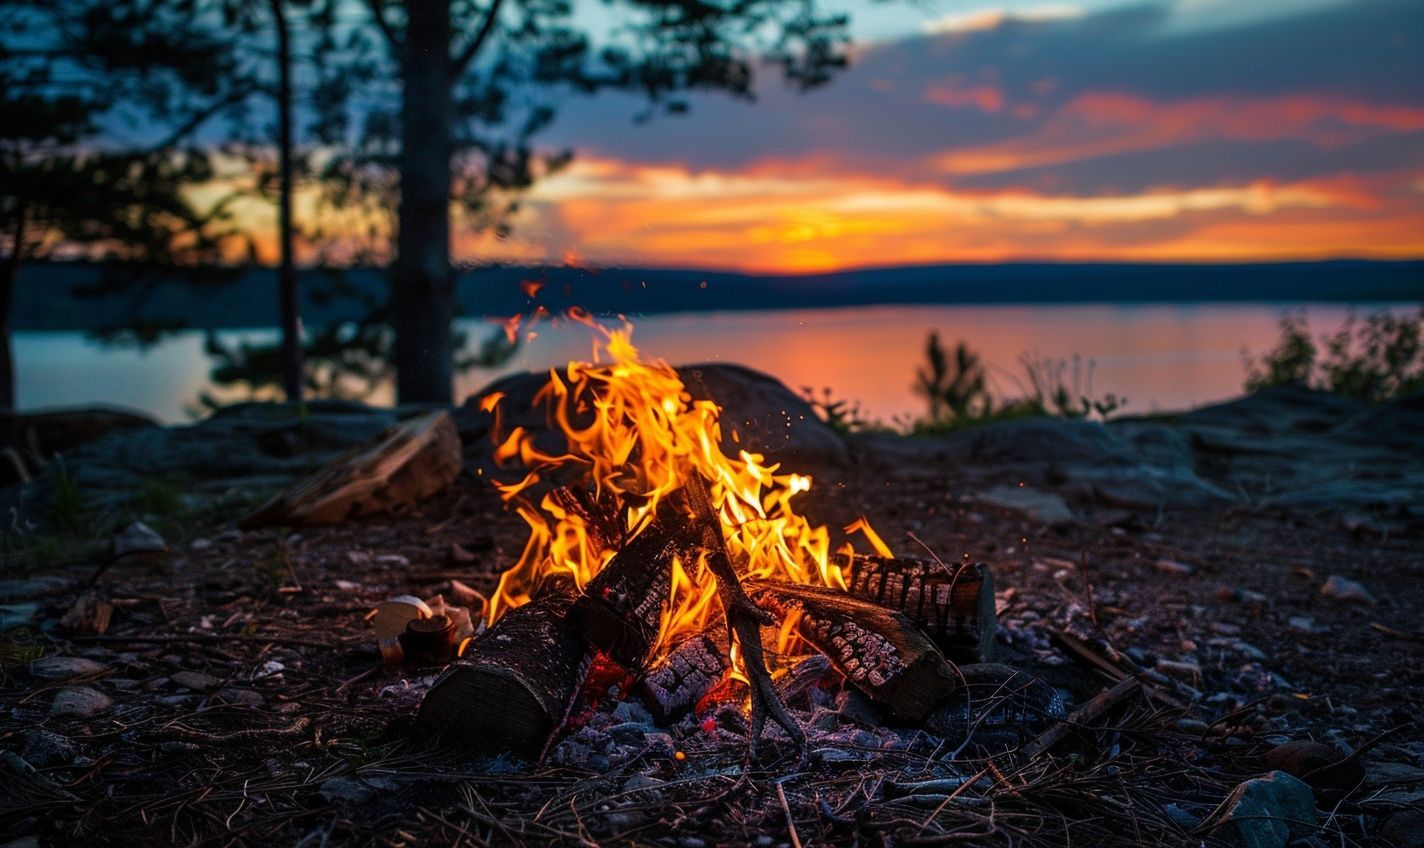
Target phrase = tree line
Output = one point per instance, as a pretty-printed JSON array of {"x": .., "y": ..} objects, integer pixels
[{"x": 133, "y": 128}]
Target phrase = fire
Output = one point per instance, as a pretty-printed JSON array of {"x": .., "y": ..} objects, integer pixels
[{"x": 634, "y": 430}]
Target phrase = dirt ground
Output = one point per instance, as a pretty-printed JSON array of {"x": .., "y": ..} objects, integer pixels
[{"x": 248, "y": 705}]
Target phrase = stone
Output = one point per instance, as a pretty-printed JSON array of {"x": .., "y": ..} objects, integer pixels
[
  {"x": 1178, "y": 569},
  {"x": 1301, "y": 624},
  {"x": 58, "y": 667},
  {"x": 45, "y": 748},
  {"x": 17, "y": 615},
  {"x": 1265, "y": 811},
  {"x": 138, "y": 540},
  {"x": 1323, "y": 766},
  {"x": 1044, "y": 507},
  {"x": 346, "y": 790},
  {"x": 1345, "y": 589},
  {"x": 34, "y": 587},
  {"x": 80, "y": 702},
  {"x": 196, "y": 680}
]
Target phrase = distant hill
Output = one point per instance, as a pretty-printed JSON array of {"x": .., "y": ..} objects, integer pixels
[{"x": 45, "y": 299}]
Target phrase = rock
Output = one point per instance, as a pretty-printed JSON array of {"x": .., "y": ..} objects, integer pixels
[
  {"x": 1179, "y": 569},
  {"x": 138, "y": 541},
  {"x": 45, "y": 748},
  {"x": 80, "y": 702},
  {"x": 17, "y": 615},
  {"x": 1301, "y": 624},
  {"x": 196, "y": 680},
  {"x": 1184, "y": 669},
  {"x": 57, "y": 667},
  {"x": 402, "y": 466},
  {"x": 767, "y": 417},
  {"x": 1404, "y": 829},
  {"x": 1345, "y": 589},
  {"x": 32, "y": 588},
  {"x": 1264, "y": 812},
  {"x": 242, "y": 697},
  {"x": 1321, "y": 765},
  {"x": 1044, "y": 507}
]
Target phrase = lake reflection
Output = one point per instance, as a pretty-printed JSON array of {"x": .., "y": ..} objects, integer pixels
[{"x": 1158, "y": 356}]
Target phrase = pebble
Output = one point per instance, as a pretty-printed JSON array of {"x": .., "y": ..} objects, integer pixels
[
  {"x": 17, "y": 615},
  {"x": 1345, "y": 589},
  {"x": 45, "y": 748},
  {"x": 138, "y": 539},
  {"x": 196, "y": 680},
  {"x": 1301, "y": 624},
  {"x": 200, "y": 544},
  {"x": 80, "y": 702},
  {"x": 57, "y": 667},
  {"x": 1180, "y": 569},
  {"x": 1179, "y": 668}
]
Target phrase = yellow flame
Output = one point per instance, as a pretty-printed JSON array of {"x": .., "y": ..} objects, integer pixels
[{"x": 636, "y": 432}]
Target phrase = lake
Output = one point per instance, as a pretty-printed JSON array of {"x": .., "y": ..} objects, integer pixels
[{"x": 1160, "y": 357}]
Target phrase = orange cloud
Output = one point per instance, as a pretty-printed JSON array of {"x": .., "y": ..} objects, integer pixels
[
  {"x": 622, "y": 213},
  {"x": 1100, "y": 124}
]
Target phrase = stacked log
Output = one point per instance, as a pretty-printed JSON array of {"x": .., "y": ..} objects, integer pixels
[
  {"x": 689, "y": 671},
  {"x": 879, "y": 651},
  {"x": 952, "y": 604}
]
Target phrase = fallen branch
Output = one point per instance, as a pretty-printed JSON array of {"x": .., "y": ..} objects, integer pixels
[{"x": 1093, "y": 709}]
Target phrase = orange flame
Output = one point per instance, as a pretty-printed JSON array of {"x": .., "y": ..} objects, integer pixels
[{"x": 634, "y": 431}]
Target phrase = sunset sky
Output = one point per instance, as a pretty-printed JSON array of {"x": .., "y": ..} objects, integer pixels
[{"x": 1191, "y": 130}]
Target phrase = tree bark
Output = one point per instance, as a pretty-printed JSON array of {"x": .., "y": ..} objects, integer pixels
[
  {"x": 288, "y": 293},
  {"x": 9, "y": 274},
  {"x": 423, "y": 286}
]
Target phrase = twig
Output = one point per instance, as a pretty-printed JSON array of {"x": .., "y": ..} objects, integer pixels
[
  {"x": 790, "y": 822},
  {"x": 1093, "y": 709}
]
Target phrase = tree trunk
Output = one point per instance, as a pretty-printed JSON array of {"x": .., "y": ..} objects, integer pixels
[
  {"x": 288, "y": 297},
  {"x": 423, "y": 286},
  {"x": 9, "y": 273}
]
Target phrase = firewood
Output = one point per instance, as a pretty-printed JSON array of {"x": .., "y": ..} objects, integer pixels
[
  {"x": 601, "y": 514},
  {"x": 744, "y": 618},
  {"x": 675, "y": 684},
  {"x": 621, "y": 608},
  {"x": 1092, "y": 710},
  {"x": 952, "y": 604},
  {"x": 878, "y": 650},
  {"x": 403, "y": 466},
  {"x": 514, "y": 686}
]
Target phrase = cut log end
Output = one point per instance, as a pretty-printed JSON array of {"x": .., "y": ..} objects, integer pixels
[
  {"x": 878, "y": 650},
  {"x": 953, "y": 605}
]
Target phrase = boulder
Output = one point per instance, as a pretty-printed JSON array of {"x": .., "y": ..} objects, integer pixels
[{"x": 766, "y": 417}]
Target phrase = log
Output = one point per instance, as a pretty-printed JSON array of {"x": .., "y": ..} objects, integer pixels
[
  {"x": 403, "y": 466},
  {"x": 953, "y": 605},
  {"x": 601, "y": 514},
  {"x": 515, "y": 685},
  {"x": 878, "y": 650},
  {"x": 621, "y": 608},
  {"x": 689, "y": 671}
]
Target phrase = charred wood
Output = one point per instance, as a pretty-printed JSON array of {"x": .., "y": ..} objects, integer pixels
[
  {"x": 689, "y": 671},
  {"x": 952, "y": 604},
  {"x": 621, "y": 608},
  {"x": 514, "y": 686},
  {"x": 878, "y": 650}
]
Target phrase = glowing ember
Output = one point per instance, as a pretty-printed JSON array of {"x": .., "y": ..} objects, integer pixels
[{"x": 634, "y": 431}]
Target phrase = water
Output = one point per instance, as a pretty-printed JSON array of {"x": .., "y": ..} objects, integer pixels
[{"x": 1160, "y": 357}]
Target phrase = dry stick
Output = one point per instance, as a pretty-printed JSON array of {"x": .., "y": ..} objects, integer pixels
[
  {"x": 205, "y": 638},
  {"x": 790, "y": 822},
  {"x": 1083, "y": 651},
  {"x": 1093, "y": 709},
  {"x": 744, "y": 618}
]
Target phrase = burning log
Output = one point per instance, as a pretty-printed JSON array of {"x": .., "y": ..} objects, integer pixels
[
  {"x": 676, "y": 684},
  {"x": 404, "y": 465},
  {"x": 744, "y": 617},
  {"x": 621, "y": 607},
  {"x": 878, "y": 650},
  {"x": 516, "y": 683},
  {"x": 954, "y": 606},
  {"x": 601, "y": 513}
]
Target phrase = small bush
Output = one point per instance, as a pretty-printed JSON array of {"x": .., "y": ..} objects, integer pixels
[{"x": 1374, "y": 359}]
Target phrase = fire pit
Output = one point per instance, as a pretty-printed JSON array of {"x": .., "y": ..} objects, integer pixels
[{"x": 660, "y": 568}]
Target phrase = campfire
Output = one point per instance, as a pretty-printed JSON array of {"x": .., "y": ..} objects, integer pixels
[{"x": 656, "y": 559}]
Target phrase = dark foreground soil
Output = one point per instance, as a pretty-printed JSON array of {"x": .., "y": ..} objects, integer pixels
[{"x": 248, "y": 705}]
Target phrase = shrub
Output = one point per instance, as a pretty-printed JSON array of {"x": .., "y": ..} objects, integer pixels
[{"x": 1373, "y": 359}]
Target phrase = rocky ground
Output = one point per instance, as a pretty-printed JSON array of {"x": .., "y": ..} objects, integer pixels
[{"x": 1259, "y": 565}]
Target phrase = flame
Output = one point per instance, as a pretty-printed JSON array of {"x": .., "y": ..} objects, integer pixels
[{"x": 634, "y": 431}]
